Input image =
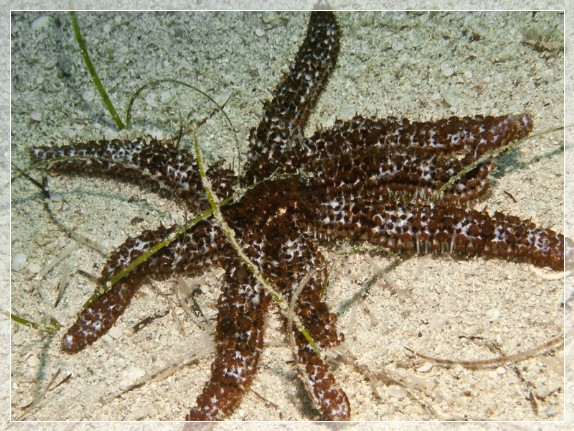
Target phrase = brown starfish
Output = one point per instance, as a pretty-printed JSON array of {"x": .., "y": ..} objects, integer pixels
[{"x": 365, "y": 179}]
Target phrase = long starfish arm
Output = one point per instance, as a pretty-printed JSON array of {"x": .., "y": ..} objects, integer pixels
[
  {"x": 445, "y": 228},
  {"x": 298, "y": 271},
  {"x": 385, "y": 157},
  {"x": 241, "y": 311},
  {"x": 160, "y": 164},
  {"x": 463, "y": 136},
  {"x": 314, "y": 372},
  {"x": 286, "y": 114},
  {"x": 191, "y": 253}
]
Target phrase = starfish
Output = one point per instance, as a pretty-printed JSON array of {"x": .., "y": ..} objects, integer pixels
[{"x": 366, "y": 179}]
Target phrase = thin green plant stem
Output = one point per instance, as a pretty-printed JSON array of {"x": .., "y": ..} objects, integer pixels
[
  {"x": 49, "y": 325},
  {"x": 93, "y": 73},
  {"x": 153, "y": 250},
  {"x": 230, "y": 235}
]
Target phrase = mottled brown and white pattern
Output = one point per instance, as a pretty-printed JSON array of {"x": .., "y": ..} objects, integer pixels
[{"x": 365, "y": 179}]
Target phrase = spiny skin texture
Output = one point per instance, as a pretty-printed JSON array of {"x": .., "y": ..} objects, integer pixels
[{"x": 366, "y": 179}]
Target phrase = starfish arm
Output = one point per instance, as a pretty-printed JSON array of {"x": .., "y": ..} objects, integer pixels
[
  {"x": 160, "y": 164},
  {"x": 314, "y": 372},
  {"x": 298, "y": 270},
  {"x": 97, "y": 319},
  {"x": 461, "y": 136},
  {"x": 241, "y": 311},
  {"x": 321, "y": 386},
  {"x": 286, "y": 114},
  {"x": 190, "y": 253},
  {"x": 445, "y": 228},
  {"x": 386, "y": 157}
]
